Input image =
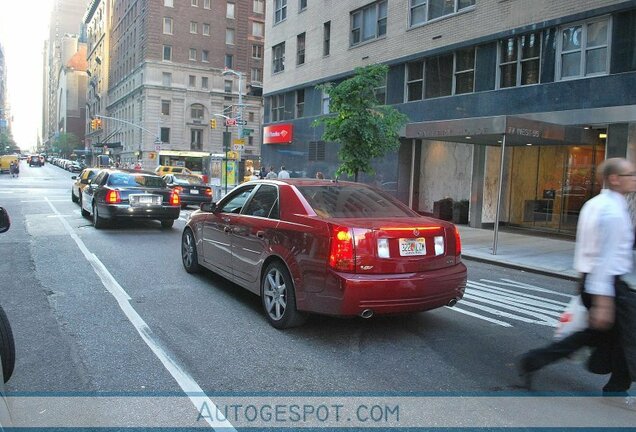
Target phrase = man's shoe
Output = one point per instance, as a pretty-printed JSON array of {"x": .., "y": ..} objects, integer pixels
[{"x": 525, "y": 373}]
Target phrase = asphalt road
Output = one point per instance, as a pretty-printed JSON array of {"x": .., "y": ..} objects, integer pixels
[{"x": 113, "y": 312}]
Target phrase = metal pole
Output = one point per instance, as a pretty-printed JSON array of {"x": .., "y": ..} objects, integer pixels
[
  {"x": 411, "y": 183},
  {"x": 501, "y": 170},
  {"x": 240, "y": 101}
]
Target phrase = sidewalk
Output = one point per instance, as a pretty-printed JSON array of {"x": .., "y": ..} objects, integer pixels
[{"x": 538, "y": 254}]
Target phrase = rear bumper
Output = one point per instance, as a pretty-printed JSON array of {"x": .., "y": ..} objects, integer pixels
[
  {"x": 194, "y": 199},
  {"x": 391, "y": 293},
  {"x": 115, "y": 211}
]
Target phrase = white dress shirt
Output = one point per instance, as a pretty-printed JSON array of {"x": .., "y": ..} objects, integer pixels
[
  {"x": 283, "y": 174},
  {"x": 604, "y": 240}
]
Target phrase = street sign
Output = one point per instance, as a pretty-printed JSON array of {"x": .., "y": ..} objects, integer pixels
[
  {"x": 230, "y": 122},
  {"x": 247, "y": 132},
  {"x": 233, "y": 155},
  {"x": 241, "y": 122},
  {"x": 238, "y": 147},
  {"x": 238, "y": 141}
]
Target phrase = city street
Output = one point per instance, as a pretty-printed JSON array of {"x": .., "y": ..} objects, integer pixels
[{"x": 113, "y": 311}]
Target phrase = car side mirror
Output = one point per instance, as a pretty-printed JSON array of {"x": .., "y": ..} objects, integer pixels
[
  {"x": 208, "y": 207},
  {"x": 5, "y": 221},
  {"x": 73, "y": 177}
]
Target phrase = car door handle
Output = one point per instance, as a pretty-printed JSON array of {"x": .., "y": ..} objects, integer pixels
[
  {"x": 260, "y": 234},
  {"x": 226, "y": 220}
]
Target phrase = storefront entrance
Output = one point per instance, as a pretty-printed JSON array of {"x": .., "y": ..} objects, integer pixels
[{"x": 550, "y": 184}]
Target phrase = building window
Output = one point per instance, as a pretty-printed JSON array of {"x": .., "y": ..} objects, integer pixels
[
  {"x": 326, "y": 38},
  {"x": 583, "y": 49},
  {"x": 439, "y": 76},
  {"x": 206, "y": 4},
  {"x": 205, "y": 56},
  {"x": 228, "y": 86},
  {"x": 167, "y": 53},
  {"x": 465, "y": 71},
  {"x": 229, "y": 61},
  {"x": 204, "y": 82},
  {"x": 165, "y": 135},
  {"x": 258, "y": 6},
  {"x": 300, "y": 49},
  {"x": 196, "y": 112},
  {"x": 205, "y": 30},
  {"x": 168, "y": 3},
  {"x": 196, "y": 139},
  {"x": 278, "y": 57},
  {"x": 325, "y": 103},
  {"x": 414, "y": 81},
  {"x": 280, "y": 10},
  {"x": 230, "y": 11},
  {"x": 316, "y": 151},
  {"x": 368, "y": 23},
  {"x": 380, "y": 92},
  {"x": 278, "y": 107},
  {"x": 257, "y": 74},
  {"x": 166, "y": 79},
  {"x": 165, "y": 107},
  {"x": 192, "y": 81},
  {"x": 302, "y": 5},
  {"x": 194, "y": 3},
  {"x": 251, "y": 116},
  {"x": 194, "y": 27},
  {"x": 421, "y": 11},
  {"x": 229, "y": 36},
  {"x": 258, "y": 29},
  {"x": 300, "y": 103},
  {"x": 519, "y": 60},
  {"x": 167, "y": 25},
  {"x": 257, "y": 51},
  {"x": 193, "y": 54}
]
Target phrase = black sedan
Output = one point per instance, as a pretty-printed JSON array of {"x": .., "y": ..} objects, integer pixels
[
  {"x": 190, "y": 188},
  {"x": 129, "y": 194}
]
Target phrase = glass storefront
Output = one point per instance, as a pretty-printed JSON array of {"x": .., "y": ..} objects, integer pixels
[{"x": 550, "y": 184}]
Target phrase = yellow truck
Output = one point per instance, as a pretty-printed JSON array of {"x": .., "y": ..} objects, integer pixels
[{"x": 5, "y": 162}]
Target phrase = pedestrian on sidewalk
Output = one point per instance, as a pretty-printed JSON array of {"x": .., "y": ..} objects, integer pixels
[
  {"x": 271, "y": 174},
  {"x": 602, "y": 254},
  {"x": 283, "y": 173}
]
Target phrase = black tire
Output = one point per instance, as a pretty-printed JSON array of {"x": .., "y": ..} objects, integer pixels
[
  {"x": 98, "y": 222},
  {"x": 7, "y": 346},
  {"x": 189, "y": 256},
  {"x": 73, "y": 197},
  {"x": 84, "y": 212},
  {"x": 278, "y": 297},
  {"x": 167, "y": 223}
]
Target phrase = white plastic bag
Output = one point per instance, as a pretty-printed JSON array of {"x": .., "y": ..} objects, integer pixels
[{"x": 573, "y": 319}]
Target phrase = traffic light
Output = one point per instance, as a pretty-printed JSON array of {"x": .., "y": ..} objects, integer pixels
[
  {"x": 96, "y": 123},
  {"x": 213, "y": 124}
]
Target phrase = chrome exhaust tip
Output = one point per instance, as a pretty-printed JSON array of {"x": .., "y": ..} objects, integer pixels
[
  {"x": 452, "y": 303},
  {"x": 366, "y": 314}
]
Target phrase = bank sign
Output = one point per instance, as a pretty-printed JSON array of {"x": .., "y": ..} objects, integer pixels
[{"x": 278, "y": 134}]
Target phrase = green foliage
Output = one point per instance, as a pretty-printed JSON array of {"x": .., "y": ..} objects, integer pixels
[
  {"x": 365, "y": 129},
  {"x": 65, "y": 143},
  {"x": 7, "y": 145}
]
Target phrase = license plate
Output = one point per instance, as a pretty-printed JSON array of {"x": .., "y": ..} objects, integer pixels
[
  {"x": 145, "y": 200},
  {"x": 194, "y": 191},
  {"x": 412, "y": 247}
]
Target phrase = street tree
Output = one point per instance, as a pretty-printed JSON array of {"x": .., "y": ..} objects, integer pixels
[
  {"x": 7, "y": 144},
  {"x": 65, "y": 143},
  {"x": 365, "y": 129}
]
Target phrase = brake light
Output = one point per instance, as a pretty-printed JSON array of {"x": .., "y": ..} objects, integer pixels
[
  {"x": 178, "y": 189},
  {"x": 208, "y": 192},
  {"x": 342, "y": 254},
  {"x": 175, "y": 200},
  {"x": 113, "y": 197},
  {"x": 458, "y": 243}
]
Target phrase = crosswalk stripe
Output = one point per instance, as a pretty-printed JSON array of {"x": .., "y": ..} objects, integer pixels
[
  {"x": 505, "y": 314},
  {"x": 522, "y": 298},
  {"x": 473, "y": 314}
]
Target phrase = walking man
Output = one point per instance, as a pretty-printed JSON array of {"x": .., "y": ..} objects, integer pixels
[
  {"x": 283, "y": 173},
  {"x": 271, "y": 174},
  {"x": 602, "y": 254}
]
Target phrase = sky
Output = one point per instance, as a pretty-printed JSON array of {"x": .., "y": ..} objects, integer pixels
[{"x": 23, "y": 29}]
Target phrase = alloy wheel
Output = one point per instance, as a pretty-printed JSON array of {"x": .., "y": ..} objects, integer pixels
[{"x": 275, "y": 294}]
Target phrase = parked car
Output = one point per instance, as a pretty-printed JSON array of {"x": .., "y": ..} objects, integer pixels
[
  {"x": 74, "y": 167},
  {"x": 81, "y": 181},
  {"x": 7, "y": 344},
  {"x": 334, "y": 248},
  {"x": 128, "y": 194},
  {"x": 191, "y": 188}
]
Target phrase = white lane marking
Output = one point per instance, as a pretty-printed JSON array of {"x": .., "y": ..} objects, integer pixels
[
  {"x": 542, "y": 319},
  {"x": 476, "y": 315},
  {"x": 516, "y": 284},
  {"x": 502, "y": 313},
  {"x": 183, "y": 378},
  {"x": 548, "y": 303}
]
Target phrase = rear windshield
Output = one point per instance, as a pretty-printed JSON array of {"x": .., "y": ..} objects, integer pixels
[
  {"x": 134, "y": 180},
  {"x": 183, "y": 179},
  {"x": 351, "y": 202}
]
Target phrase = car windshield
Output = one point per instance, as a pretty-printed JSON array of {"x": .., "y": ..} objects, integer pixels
[
  {"x": 134, "y": 180},
  {"x": 183, "y": 179},
  {"x": 351, "y": 202}
]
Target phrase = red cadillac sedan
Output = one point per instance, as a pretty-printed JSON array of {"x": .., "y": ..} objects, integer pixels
[{"x": 326, "y": 247}]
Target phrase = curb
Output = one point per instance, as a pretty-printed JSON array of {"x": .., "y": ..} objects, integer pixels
[{"x": 522, "y": 267}]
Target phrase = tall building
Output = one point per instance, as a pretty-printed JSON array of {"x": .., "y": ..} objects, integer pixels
[
  {"x": 166, "y": 80},
  {"x": 511, "y": 104},
  {"x": 4, "y": 124}
]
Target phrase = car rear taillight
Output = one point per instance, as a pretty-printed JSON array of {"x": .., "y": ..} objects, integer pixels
[
  {"x": 178, "y": 189},
  {"x": 175, "y": 200},
  {"x": 342, "y": 254},
  {"x": 208, "y": 192},
  {"x": 458, "y": 243},
  {"x": 113, "y": 197}
]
